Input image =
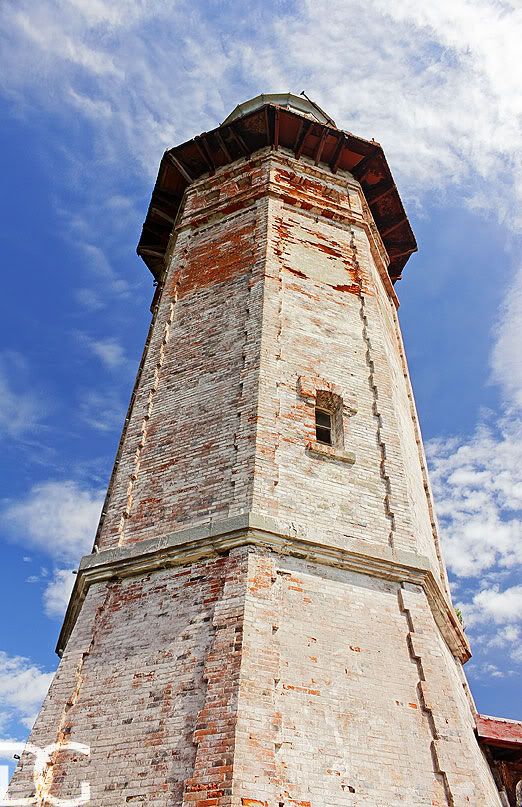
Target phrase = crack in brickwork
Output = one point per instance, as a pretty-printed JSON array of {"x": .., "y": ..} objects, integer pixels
[
  {"x": 43, "y": 792},
  {"x": 390, "y": 515},
  {"x": 422, "y": 458},
  {"x": 215, "y": 733},
  {"x": 145, "y": 423},
  {"x": 242, "y": 398},
  {"x": 155, "y": 307},
  {"x": 278, "y": 358},
  {"x": 416, "y": 659}
]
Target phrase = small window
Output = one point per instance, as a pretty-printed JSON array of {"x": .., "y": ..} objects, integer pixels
[{"x": 323, "y": 426}]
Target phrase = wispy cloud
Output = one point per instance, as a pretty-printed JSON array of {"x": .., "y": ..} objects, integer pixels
[
  {"x": 499, "y": 607},
  {"x": 100, "y": 266},
  {"x": 437, "y": 83},
  {"x": 506, "y": 359},
  {"x": 90, "y": 299},
  {"x": 109, "y": 351},
  {"x": 21, "y": 409},
  {"x": 57, "y": 589},
  {"x": 102, "y": 411},
  {"x": 60, "y": 520}
]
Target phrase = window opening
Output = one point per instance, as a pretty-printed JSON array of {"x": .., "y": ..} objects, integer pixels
[{"x": 323, "y": 426}]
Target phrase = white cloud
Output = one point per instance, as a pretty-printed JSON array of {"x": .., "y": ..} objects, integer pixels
[
  {"x": 89, "y": 106},
  {"x": 499, "y": 607},
  {"x": 49, "y": 35},
  {"x": 506, "y": 359},
  {"x": 23, "y": 686},
  {"x": 59, "y": 518},
  {"x": 21, "y": 409},
  {"x": 477, "y": 485},
  {"x": 508, "y": 636},
  {"x": 478, "y": 490},
  {"x": 109, "y": 351},
  {"x": 102, "y": 411},
  {"x": 100, "y": 266},
  {"x": 57, "y": 593},
  {"x": 89, "y": 299}
]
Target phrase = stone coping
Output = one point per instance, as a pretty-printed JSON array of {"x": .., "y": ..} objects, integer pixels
[{"x": 216, "y": 538}]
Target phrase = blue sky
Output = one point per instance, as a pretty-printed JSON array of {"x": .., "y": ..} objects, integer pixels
[{"x": 91, "y": 93}]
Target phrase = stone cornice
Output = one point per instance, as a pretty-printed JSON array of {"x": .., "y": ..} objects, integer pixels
[{"x": 217, "y": 538}]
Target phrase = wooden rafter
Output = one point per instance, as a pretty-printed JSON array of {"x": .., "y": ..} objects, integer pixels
[
  {"x": 239, "y": 140},
  {"x": 320, "y": 146},
  {"x": 267, "y": 128},
  {"x": 153, "y": 253},
  {"x": 307, "y": 125},
  {"x": 179, "y": 165},
  {"x": 393, "y": 227},
  {"x": 201, "y": 146},
  {"x": 336, "y": 159},
  {"x": 162, "y": 214},
  {"x": 223, "y": 146},
  {"x": 381, "y": 195},
  {"x": 394, "y": 256},
  {"x": 360, "y": 168}
]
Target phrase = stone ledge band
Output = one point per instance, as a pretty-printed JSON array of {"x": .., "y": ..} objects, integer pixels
[{"x": 219, "y": 537}]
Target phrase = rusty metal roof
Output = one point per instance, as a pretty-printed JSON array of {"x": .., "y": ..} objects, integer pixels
[
  {"x": 278, "y": 125},
  {"x": 502, "y": 743},
  {"x": 499, "y": 732}
]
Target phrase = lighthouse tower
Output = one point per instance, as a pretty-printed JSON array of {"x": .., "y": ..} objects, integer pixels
[{"x": 265, "y": 618}]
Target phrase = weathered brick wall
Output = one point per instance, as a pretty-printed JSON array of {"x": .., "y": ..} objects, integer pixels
[
  {"x": 188, "y": 452},
  {"x": 150, "y": 672},
  {"x": 272, "y": 277},
  {"x": 328, "y": 316},
  {"x": 348, "y": 696},
  {"x": 254, "y": 679},
  {"x": 404, "y": 451}
]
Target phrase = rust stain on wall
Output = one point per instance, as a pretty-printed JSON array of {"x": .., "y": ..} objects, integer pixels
[{"x": 217, "y": 258}]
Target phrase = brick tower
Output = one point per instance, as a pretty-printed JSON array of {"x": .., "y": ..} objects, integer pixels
[{"x": 265, "y": 618}]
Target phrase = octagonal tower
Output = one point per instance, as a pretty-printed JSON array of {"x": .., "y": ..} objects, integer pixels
[{"x": 265, "y": 619}]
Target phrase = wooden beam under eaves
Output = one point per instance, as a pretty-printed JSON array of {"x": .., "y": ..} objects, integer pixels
[
  {"x": 359, "y": 169},
  {"x": 239, "y": 140},
  {"x": 300, "y": 143},
  {"x": 373, "y": 201},
  {"x": 223, "y": 146},
  {"x": 162, "y": 215},
  {"x": 204, "y": 151},
  {"x": 320, "y": 146},
  {"x": 179, "y": 165},
  {"x": 394, "y": 227},
  {"x": 336, "y": 159},
  {"x": 153, "y": 253}
]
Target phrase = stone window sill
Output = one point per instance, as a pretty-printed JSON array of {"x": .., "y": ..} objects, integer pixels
[{"x": 330, "y": 453}]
